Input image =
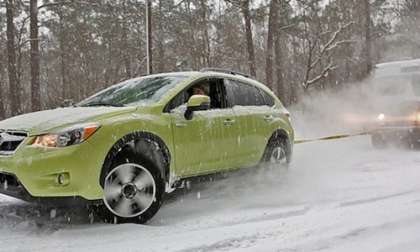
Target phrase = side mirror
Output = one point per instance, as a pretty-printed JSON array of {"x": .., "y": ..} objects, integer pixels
[{"x": 197, "y": 103}]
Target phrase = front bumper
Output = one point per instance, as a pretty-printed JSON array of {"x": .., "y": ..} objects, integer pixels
[
  {"x": 32, "y": 173},
  {"x": 11, "y": 186},
  {"x": 398, "y": 133}
]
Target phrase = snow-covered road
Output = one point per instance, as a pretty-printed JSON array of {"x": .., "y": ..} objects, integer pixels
[{"x": 338, "y": 195}]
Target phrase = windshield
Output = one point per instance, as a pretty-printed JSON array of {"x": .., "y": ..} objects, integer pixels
[{"x": 140, "y": 91}]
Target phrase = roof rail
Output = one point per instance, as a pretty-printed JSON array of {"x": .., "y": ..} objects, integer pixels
[{"x": 221, "y": 70}]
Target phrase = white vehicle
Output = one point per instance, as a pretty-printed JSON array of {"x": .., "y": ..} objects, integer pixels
[
  {"x": 399, "y": 79},
  {"x": 397, "y": 89}
]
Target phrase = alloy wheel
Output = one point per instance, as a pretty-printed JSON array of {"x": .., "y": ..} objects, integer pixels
[
  {"x": 129, "y": 190},
  {"x": 278, "y": 156}
]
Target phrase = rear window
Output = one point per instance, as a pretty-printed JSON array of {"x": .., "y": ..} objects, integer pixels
[
  {"x": 269, "y": 100},
  {"x": 241, "y": 94}
]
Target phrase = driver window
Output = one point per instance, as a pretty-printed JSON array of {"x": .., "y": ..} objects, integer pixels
[{"x": 210, "y": 87}]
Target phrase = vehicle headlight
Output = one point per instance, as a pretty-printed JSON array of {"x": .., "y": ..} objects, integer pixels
[
  {"x": 67, "y": 137},
  {"x": 381, "y": 117}
]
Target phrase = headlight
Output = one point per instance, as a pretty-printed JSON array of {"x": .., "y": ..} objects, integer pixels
[
  {"x": 67, "y": 137},
  {"x": 381, "y": 117}
]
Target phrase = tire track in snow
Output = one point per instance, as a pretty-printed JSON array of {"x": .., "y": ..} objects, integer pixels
[{"x": 375, "y": 199}]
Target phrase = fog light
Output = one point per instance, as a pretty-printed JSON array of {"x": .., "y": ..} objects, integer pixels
[{"x": 63, "y": 178}]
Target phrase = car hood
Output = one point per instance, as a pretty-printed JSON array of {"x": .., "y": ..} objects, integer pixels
[{"x": 44, "y": 121}]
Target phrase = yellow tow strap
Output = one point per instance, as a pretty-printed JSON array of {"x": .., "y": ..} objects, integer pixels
[{"x": 330, "y": 137}]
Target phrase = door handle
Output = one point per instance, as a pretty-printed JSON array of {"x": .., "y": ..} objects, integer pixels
[
  {"x": 180, "y": 124},
  {"x": 268, "y": 118},
  {"x": 228, "y": 122}
]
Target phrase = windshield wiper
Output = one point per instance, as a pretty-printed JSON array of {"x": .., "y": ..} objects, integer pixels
[{"x": 98, "y": 104}]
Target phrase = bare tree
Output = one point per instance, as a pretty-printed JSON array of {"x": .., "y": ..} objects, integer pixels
[
  {"x": 368, "y": 37},
  {"x": 125, "y": 43},
  {"x": 35, "y": 60},
  {"x": 244, "y": 6},
  {"x": 315, "y": 57},
  {"x": 278, "y": 63},
  {"x": 2, "y": 104},
  {"x": 149, "y": 37},
  {"x": 272, "y": 26},
  {"x": 63, "y": 56},
  {"x": 205, "y": 31},
  {"x": 249, "y": 37},
  {"x": 160, "y": 38},
  {"x": 14, "y": 87}
]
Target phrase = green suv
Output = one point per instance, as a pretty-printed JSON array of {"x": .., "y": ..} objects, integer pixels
[{"x": 124, "y": 147}]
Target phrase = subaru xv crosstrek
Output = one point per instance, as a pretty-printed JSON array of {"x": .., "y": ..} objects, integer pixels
[{"x": 124, "y": 147}]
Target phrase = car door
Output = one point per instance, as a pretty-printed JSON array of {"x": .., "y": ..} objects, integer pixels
[
  {"x": 253, "y": 118},
  {"x": 198, "y": 142},
  {"x": 228, "y": 142}
]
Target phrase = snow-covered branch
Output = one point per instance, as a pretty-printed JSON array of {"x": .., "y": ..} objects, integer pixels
[
  {"x": 331, "y": 44},
  {"x": 316, "y": 58},
  {"x": 323, "y": 74}
]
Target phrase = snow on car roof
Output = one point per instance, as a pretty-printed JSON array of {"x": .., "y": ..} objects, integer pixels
[
  {"x": 211, "y": 73},
  {"x": 399, "y": 63},
  {"x": 398, "y": 68}
]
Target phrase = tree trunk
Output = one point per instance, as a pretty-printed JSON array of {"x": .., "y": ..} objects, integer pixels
[
  {"x": 65, "y": 93},
  {"x": 194, "y": 51},
  {"x": 14, "y": 87},
  {"x": 279, "y": 68},
  {"x": 2, "y": 103},
  {"x": 149, "y": 37},
  {"x": 272, "y": 25},
  {"x": 125, "y": 43},
  {"x": 127, "y": 60},
  {"x": 368, "y": 38},
  {"x": 160, "y": 46},
  {"x": 206, "y": 39},
  {"x": 249, "y": 39},
  {"x": 35, "y": 85}
]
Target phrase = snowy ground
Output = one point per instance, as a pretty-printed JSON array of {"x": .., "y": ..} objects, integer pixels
[{"x": 338, "y": 195}]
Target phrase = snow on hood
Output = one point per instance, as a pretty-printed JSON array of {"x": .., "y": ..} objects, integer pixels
[{"x": 49, "y": 119}]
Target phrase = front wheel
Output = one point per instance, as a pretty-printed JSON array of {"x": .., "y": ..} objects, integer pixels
[
  {"x": 378, "y": 142},
  {"x": 133, "y": 191}
]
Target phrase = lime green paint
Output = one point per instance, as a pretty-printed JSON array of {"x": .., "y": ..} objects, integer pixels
[{"x": 207, "y": 143}]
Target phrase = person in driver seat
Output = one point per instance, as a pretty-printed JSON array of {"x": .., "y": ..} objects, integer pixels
[{"x": 200, "y": 89}]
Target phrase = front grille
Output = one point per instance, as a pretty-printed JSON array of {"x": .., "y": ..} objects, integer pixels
[
  {"x": 399, "y": 123},
  {"x": 10, "y": 141}
]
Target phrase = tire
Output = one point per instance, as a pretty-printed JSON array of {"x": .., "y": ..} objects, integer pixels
[
  {"x": 133, "y": 190},
  {"x": 277, "y": 153},
  {"x": 378, "y": 142}
]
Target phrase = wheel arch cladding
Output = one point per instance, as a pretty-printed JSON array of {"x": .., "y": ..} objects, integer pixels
[{"x": 146, "y": 144}]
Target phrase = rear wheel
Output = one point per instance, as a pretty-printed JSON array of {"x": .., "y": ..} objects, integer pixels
[
  {"x": 133, "y": 190},
  {"x": 277, "y": 153}
]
